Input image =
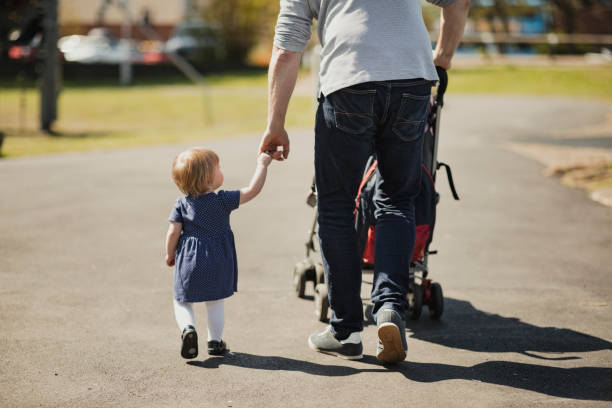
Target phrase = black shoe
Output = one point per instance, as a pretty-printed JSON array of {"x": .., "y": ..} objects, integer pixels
[
  {"x": 391, "y": 336},
  {"x": 348, "y": 349},
  {"x": 216, "y": 348},
  {"x": 190, "y": 342}
]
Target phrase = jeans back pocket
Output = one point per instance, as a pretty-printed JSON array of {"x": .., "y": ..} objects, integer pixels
[
  {"x": 411, "y": 115},
  {"x": 353, "y": 109}
]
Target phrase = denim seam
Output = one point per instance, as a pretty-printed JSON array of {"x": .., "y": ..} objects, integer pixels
[
  {"x": 398, "y": 133},
  {"x": 402, "y": 120},
  {"x": 359, "y": 91},
  {"x": 368, "y": 116},
  {"x": 355, "y": 114},
  {"x": 416, "y": 97},
  {"x": 352, "y": 131},
  {"x": 395, "y": 84},
  {"x": 383, "y": 117}
]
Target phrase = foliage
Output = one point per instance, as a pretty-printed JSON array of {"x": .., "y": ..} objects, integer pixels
[
  {"x": 568, "y": 9},
  {"x": 241, "y": 24},
  {"x": 502, "y": 10}
]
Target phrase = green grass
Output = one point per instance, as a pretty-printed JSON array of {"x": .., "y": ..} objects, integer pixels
[
  {"x": 100, "y": 115},
  {"x": 106, "y": 117},
  {"x": 584, "y": 82}
]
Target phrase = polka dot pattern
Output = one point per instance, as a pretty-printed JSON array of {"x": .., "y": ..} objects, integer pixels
[{"x": 206, "y": 267}]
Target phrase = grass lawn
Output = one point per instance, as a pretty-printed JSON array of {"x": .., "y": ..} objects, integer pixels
[
  {"x": 593, "y": 82},
  {"x": 105, "y": 116}
]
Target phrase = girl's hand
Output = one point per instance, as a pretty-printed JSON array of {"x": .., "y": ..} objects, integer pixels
[
  {"x": 272, "y": 139},
  {"x": 170, "y": 260},
  {"x": 264, "y": 159}
]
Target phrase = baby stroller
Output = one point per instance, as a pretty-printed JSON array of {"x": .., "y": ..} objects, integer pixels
[{"x": 422, "y": 291}]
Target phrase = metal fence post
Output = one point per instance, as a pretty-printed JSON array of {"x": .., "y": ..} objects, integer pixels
[{"x": 48, "y": 86}]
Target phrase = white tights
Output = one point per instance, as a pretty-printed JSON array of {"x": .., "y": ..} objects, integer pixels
[{"x": 183, "y": 311}]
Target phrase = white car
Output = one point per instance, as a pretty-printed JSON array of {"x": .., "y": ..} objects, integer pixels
[
  {"x": 98, "y": 46},
  {"x": 194, "y": 39}
]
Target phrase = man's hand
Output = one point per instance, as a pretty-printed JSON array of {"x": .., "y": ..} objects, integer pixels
[
  {"x": 271, "y": 140},
  {"x": 442, "y": 61},
  {"x": 169, "y": 260}
]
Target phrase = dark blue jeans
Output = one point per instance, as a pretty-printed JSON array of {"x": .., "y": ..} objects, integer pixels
[{"x": 387, "y": 118}]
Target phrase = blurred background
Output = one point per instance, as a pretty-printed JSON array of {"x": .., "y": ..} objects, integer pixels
[{"x": 97, "y": 74}]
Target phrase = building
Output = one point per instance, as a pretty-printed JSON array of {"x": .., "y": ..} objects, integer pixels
[{"x": 80, "y": 16}]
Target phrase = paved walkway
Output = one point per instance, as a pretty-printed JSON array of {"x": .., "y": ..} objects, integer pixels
[{"x": 86, "y": 302}]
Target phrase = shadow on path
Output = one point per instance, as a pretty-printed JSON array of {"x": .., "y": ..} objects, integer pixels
[
  {"x": 584, "y": 383},
  {"x": 462, "y": 326}
]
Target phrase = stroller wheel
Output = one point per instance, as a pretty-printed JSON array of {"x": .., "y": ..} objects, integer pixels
[
  {"x": 299, "y": 278},
  {"x": 436, "y": 308},
  {"x": 321, "y": 302},
  {"x": 416, "y": 306}
]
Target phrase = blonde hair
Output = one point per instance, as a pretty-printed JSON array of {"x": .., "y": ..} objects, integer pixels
[{"x": 193, "y": 171}]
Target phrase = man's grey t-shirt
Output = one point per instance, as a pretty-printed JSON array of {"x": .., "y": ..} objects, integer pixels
[{"x": 362, "y": 40}]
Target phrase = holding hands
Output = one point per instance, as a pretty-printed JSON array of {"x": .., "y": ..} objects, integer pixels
[
  {"x": 264, "y": 159},
  {"x": 271, "y": 140}
]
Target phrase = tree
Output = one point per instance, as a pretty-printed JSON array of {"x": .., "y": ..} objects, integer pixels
[
  {"x": 502, "y": 11},
  {"x": 241, "y": 24},
  {"x": 568, "y": 10}
]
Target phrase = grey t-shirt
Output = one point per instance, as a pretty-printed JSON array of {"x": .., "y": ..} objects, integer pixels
[{"x": 362, "y": 40}]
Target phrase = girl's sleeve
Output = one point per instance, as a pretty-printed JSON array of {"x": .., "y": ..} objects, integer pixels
[
  {"x": 230, "y": 199},
  {"x": 176, "y": 214}
]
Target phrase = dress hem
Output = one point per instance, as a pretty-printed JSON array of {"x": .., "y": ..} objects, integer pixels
[{"x": 199, "y": 299}]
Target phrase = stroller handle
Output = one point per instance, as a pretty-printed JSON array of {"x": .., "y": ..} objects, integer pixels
[{"x": 442, "y": 85}]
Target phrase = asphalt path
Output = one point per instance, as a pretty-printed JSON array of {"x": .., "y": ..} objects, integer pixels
[{"x": 525, "y": 264}]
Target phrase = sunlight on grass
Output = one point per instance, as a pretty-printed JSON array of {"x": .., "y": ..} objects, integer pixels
[
  {"x": 587, "y": 82},
  {"x": 94, "y": 116}
]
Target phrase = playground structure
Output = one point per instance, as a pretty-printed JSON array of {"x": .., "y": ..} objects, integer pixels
[{"x": 50, "y": 77}]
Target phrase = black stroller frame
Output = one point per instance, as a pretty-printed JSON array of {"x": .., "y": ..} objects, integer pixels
[{"x": 422, "y": 291}]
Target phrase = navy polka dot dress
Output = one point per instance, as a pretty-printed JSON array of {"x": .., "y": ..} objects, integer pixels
[{"x": 206, "y": 267}]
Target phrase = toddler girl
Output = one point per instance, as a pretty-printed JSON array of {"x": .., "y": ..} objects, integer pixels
[{"x": 200, "y": 243}]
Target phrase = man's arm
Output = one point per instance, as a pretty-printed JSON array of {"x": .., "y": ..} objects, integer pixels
[
  {"x": 452, "y": 24},
  {"x": 282, "y": 76},
  {"x": 290, "y": 37}
]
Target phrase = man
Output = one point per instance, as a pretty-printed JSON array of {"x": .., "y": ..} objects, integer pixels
[{"x": 375, "y": 81}]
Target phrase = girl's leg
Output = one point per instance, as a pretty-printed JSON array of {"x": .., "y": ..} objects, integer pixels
[
  {"x": 183, "y": 312},
  {"x": 216, "y": 319}
]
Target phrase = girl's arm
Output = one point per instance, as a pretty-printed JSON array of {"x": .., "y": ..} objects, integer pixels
[
  {"x": 258, "y": 180},
  {"x": 172, "y": 237}
]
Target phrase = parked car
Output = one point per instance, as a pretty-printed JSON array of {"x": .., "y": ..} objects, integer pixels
[
  {"x": 26, "y": 52},
  {"x": 25, "y": 41},
  {"x": 196, "y": 41},
  {"x": 98, "y": 46}
]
